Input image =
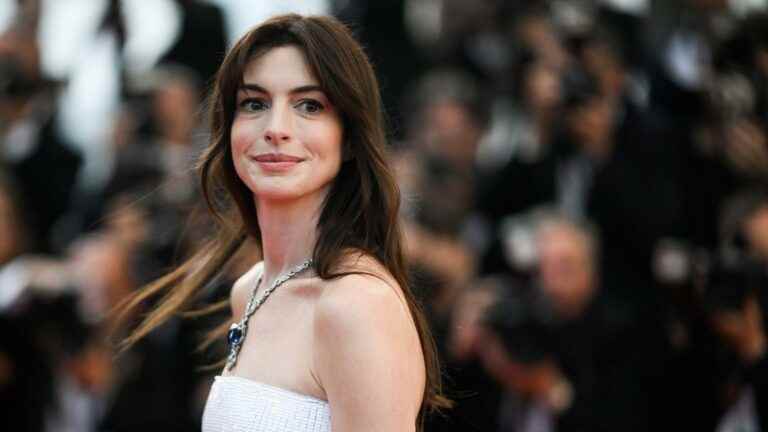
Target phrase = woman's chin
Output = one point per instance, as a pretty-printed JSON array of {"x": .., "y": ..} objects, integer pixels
[
  {"x": 276, "y": 194},
  {"x": 281, "y": 194}
]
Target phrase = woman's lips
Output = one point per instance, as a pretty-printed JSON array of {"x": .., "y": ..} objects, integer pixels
[
  {"x": 276, "y": 161},
  {"x": 276, "y": 157}
]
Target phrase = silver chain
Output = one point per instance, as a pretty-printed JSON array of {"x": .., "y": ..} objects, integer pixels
[{"x": 237, "y": 331}]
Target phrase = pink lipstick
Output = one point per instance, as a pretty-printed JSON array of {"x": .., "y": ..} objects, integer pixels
[{"x": 276, "y": 161}]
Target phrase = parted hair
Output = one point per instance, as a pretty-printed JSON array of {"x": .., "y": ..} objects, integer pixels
[{"x": 360, "y": 212}]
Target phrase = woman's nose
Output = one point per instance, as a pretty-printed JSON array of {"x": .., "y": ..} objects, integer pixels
[{"x": 278, "y": 128}]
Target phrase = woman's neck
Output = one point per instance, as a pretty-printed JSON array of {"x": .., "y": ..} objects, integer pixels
[{"x": 288, "y": 232}]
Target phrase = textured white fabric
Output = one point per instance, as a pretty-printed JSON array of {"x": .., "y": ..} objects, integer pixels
[{"x": 238, "y": 404}]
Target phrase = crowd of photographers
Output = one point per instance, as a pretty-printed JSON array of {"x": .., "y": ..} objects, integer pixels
[{"x": 585, "y": 190}]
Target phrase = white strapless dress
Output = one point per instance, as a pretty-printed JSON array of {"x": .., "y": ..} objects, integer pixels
[{"x": 243, "y": 405}]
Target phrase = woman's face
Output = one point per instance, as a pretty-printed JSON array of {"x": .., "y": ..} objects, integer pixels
[{"x": 286, "y": 136}]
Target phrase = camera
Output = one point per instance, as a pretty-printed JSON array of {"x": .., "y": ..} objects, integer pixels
[
  {"x": 730, "y": 280},
  {"x": 524, "y": 325}
]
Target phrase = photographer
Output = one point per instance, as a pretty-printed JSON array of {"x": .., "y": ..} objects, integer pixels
[
  {"x": 540, "y": 342},
  {"x": 737, "y": 299},
  {"x": 43, "y": 164}
]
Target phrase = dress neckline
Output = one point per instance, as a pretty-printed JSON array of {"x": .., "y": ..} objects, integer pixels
[{"x": 276, "y": 389}]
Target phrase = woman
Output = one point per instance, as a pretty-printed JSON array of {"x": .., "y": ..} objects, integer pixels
[{"x": 298, "y": 146}]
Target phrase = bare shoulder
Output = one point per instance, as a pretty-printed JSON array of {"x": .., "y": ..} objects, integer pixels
[
  {"x": 367, "y": 354},
  {"x": 358, "y": 299},
  {"x": 359, "y": 262},
  {"x": 243, "y": 286},
  {"x": 369, "y": 288}
]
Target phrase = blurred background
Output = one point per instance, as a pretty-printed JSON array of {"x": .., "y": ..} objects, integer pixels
[{"x": 585, "y": 187}]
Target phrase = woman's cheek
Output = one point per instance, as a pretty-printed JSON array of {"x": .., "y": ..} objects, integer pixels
[
  {"x": 239, "y": 146},
  {"x": 238, "y": 140}
]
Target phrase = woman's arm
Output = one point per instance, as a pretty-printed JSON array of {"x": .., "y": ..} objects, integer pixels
[{"x": 367, "y": 356}]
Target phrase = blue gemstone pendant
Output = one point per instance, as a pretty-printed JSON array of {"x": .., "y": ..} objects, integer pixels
[{"x": 235, "y": 335}]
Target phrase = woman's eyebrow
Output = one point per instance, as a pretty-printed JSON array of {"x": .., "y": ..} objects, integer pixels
[{"x": 301, "y": 89}]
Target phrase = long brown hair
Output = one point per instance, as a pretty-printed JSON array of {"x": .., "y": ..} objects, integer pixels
[{"x": 361, "y": 211}]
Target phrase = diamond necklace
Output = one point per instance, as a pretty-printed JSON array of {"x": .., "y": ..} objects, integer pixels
[{"x": 237, "y": 331}]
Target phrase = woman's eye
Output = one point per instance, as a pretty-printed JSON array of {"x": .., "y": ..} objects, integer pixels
[
  {"x": 253, "y": 105},
  {"x": 310, "y": 106}
]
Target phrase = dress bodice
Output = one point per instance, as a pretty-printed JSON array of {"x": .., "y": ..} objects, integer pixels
[{"x": 243, "y": 405}]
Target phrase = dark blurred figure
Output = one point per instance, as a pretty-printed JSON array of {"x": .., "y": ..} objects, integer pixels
[
  {"x": 535, "y": 31},
  {"x": 437, "y": 170},
  {"x": 57, "y": 370},
  {"x": 162, "y": 117},
  {"x": 381, "y": 28},
  {"x": 57, "y": 322},
  {"x": 548, "y": 343},
  {"x": 521, "y": 175},
  {"x": 25, "y": 376},
  {"x": 681, "y": 37},
  {"x": 726, "y": 149},
  {"x": 600, "y": 165},
  {"x": 436, "y": 167},
  {"x": 738, "y": 293},
  {"x": 716, "y": 378},
  {"x": 622, "y": 175},
  {"x": 754, "y": 228},
  {"x": 201, "y": 43},
  {"x": 29, "y": 142},
  {"x": 448, "y": 116}
]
